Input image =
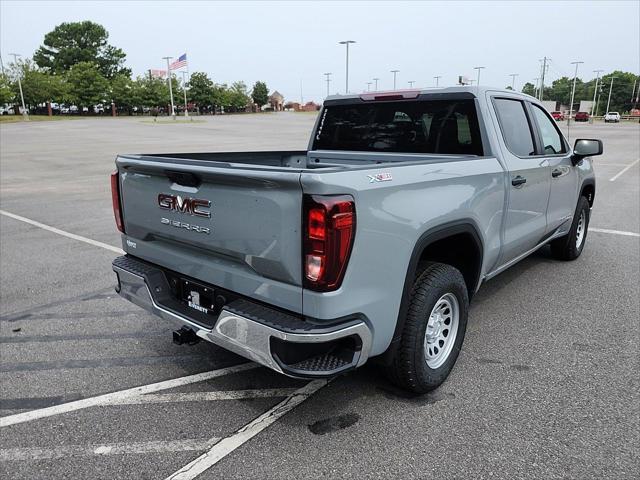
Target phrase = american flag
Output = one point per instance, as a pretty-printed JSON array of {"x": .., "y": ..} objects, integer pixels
[
  {"x": 158, "y": 73},
  {"x": 181, "y": 62}
]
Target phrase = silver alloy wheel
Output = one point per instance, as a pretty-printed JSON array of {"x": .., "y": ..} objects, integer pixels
[
  {"x": 442, "y": 329},
  {"x": 580, "y": 229}
]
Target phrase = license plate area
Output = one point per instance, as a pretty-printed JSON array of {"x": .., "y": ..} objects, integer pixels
[{"x": 198, "y": 297}]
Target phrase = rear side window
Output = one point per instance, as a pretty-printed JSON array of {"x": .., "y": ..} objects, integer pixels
[
  {"x": 439, "y": 126},
  {"x": 515, "y": 126},
  {"x": 551, "y": 139}
]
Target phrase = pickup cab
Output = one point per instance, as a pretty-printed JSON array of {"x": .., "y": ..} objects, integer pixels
[{"x": 370, "y": 243}]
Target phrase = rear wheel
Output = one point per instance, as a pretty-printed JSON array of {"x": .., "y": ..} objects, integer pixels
[
  {"x": 433, "y": 331},
  {"x": 571, "y": 245}
]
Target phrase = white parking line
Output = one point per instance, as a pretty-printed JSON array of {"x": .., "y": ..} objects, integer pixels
[
  {"x": 614, "y": 232},
  {"x": 203, "y": 396},
  {"x": 49, "y": 228},
  {"x": 615, "y": 177},
  {"x": 227, "y": 445},
  {"x": 111, "y": 397},
  {"x": 25, "y": 454}
]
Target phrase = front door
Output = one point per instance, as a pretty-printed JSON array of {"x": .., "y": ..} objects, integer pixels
[
  {"x": 564, "y": 178},
  {"x": 529, "y": 181}
]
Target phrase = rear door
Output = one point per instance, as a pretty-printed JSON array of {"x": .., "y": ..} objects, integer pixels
[
  {"x": 227, "y": 225},
  {"x": 563, "y": 175},
  {"x": 529, "y": 180}
]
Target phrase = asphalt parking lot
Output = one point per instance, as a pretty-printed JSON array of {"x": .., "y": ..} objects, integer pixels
[{"x": 546, "y": 385}]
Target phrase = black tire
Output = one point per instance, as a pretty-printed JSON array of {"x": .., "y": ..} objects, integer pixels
[
  {"x": 408, "y": 368},
  {"x": 567, "y": 247}
]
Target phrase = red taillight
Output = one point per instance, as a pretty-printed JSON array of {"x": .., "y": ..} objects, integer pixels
[
  {"x": 330, "y": 223},
  {"x": 115, "y": 200}
]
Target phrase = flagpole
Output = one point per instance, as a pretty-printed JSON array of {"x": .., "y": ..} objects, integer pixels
[
  {"x": 184, "y": 90},
  {"x": 173, "y": 110}
]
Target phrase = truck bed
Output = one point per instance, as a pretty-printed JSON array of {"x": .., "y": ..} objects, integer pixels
[{"x": 300, "y": 160}]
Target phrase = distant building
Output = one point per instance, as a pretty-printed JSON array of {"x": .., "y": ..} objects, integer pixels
[
  {"x": 310, "y": 107},
  {"x": 550, "y": 105},
  {"x": 276, "y": 101},
  {"x": 297, "y": 107},
  {"x": 585, "y": 106}
]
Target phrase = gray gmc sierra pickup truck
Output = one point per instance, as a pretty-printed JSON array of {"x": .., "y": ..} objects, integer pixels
[{"x": 369, "y": 244}]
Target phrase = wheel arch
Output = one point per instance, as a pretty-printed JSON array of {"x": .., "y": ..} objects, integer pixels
[
  {"x": 429, "y": 248},
  {"x": 588, "y": 189}
]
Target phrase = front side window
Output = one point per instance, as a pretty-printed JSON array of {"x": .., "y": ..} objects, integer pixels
[
  {"x": 551, "y": 139},
  {"x": 515, "y": 127},
  {"x": 420, "y": 126}
]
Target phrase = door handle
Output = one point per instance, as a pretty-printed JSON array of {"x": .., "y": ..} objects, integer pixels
[
  {"x": 518, "y": 181},
  {"x": 556, "y": 173}
]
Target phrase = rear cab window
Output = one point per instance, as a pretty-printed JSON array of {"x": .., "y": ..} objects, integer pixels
[
  {"x": 416, "y": 126},
  {"x": 516, "y": 130}
]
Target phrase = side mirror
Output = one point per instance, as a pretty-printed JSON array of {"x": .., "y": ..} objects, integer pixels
[{"x": 586, "y": 148}]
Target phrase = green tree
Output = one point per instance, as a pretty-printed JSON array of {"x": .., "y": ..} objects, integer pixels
[
  {"x": 125, "y": 93},
  {"x": 86, "y": 85},
  {"x": 560, "y": 91},
  {"x": 154, "y": 91},
  {"x": 200, "y": 89},
  {"x": 221, "y": 95},
  {"x": 38, "y": 87},
  {"x": 620, "y": 93},
  {"x": 260, "y": 94},
  {"x": 7, "y": 94},
  {"x": 529, "y": 89},
  {"x": 238, "y": 97},
  {"x": 71, "y": 43}
]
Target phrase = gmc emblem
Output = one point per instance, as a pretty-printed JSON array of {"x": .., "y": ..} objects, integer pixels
[{"x": 192, "y": 206}]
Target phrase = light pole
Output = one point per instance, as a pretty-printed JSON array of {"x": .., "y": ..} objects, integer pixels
[
  {"x": 15, "y": 56},
  {"x": 513, "y": 80},
  {"x": 328, "y": 80},
  {"x": 595, "y": 91},
  {"x": 173, "y": 110},
  {"x": 346, "y": 82},
  {"x": 376, "y": 85},
  {"x": 573, "y": 90},
  {"x": 184, "y": 90},
  {"x": 535, "y": 89},
  {"x": 369, "y": 86},
  {"x": 478, "y": 80},
  {"x": 395, "y": 72},
  {"x": 609, "y": 99},
  {"x": 411, "y": 82},
  {"x": 437, "y": 77}
]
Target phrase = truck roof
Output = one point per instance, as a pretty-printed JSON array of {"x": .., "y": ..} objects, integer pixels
[{"x": 468, "y": 90}]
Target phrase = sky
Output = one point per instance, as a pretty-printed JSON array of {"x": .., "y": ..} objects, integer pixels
[{"x": 290, "y": 45}]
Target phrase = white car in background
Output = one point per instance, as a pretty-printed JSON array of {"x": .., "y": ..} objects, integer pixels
[{"x": 612, "y": 117}]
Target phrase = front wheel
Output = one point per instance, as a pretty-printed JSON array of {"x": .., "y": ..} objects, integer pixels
[
  {"x": 433, "y": 331},
  {"x": 570, "y": 246}
]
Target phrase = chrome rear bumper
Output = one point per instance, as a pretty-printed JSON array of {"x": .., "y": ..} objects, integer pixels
[{"x": 246, "y": 334}]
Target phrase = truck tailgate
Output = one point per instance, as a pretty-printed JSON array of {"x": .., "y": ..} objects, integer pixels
[{"x": 247, "y": 239}]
